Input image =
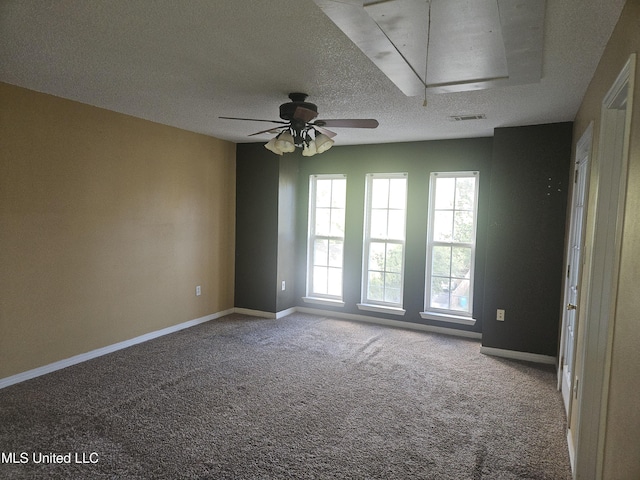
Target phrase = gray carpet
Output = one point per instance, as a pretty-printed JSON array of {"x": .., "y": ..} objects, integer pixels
[{"x": 300, "y": 397}]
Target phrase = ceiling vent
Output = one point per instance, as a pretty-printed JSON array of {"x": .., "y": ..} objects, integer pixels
[{"x": 459, "y": 118}]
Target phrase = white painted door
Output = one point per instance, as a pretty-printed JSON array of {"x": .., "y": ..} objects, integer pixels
[{"x": 574, "y": 264}]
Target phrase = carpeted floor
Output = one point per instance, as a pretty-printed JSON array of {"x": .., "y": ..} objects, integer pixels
[{"x": 300, "y": 397}]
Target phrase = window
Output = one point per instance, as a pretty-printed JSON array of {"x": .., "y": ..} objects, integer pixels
[
  {"x": 384, "y": 242},
  {"x": 451, "y": 239},
  {"x": 327, "y": 201}
]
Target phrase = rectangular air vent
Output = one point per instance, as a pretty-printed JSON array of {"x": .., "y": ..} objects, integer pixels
[{"x": 459, "y": 118}]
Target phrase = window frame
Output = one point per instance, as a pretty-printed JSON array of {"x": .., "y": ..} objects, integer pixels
[
  {"x": 448, "y": 314},
  {"x": 310, "y": 295},
  {"x": 368, "y": 303}
]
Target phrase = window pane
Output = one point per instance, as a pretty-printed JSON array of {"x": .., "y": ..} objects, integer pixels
[
  {"x": 440, "y": 292},
  {"x": 445, "y": 188},
  {"x": 374, "y": 286},
  {"x": 380, "y": 193},
  {"x": 392, "y": 295},
  {"x": 320, "y": 251},
  {"x": 461, "y": 264},
  {"x": 376, "y": 256},
  {"x": 339, "y": 193},
  {"x": 320, "y": 280},
  {"x": 393, "y": 281},
  {"x": 441, "y": 261},
  {"x": 396, "y": 225},
  {"x": 463, "y": 227},
  {"x": 460, "y": 295},
  {"x": 379, "y": 223},
  {"x": 323, "y": 193},
  {"x": 394, "y": 258},
  {"x": 337, "y": 222},
  {"x": 465, "y": 193},
  {"x": 323, "y": 221},
  {"x": 443, "y": 226},
  {"x": 397, "y": 193},
  {"x": 334, "y": 286},
  {"x": 335, "y": 253},
  {"x": 393, "y": 285}
]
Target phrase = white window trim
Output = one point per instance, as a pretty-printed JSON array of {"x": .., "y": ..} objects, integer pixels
[
  {"x": 445, "y": 315},
  {"x": 323, "y": 301},
  {"x": 370, "y": 307},
  {"x": 312, "y": 297},
  {"x": 366, "y": 303}
]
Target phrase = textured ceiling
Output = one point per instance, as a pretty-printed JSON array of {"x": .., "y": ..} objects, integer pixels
[{"x": 186, "y": 63}]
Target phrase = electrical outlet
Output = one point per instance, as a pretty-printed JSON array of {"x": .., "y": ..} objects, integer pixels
[
  {"x": 283, "y": 285},
  {"x": 198, "y": 291},
  {"x": 500, "y": 315}
]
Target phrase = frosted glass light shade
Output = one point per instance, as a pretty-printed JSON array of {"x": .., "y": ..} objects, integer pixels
[
  {"x": 323, "y": 143},
  {"x": 285, "y": 143},
  {"x": 271, "y": 145},
  {"x": 309, "y": 149}
]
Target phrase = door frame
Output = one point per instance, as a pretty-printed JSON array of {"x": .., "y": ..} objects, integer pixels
[{"x": 602, "y": 277}]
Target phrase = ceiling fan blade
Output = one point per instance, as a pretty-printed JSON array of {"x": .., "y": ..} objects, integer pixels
[
  {"x": 270, "y": 130},
  {"x": 347, "y": 123},
  {"x": 255, "y": 120},
  {"x": 304, "y": 114},
  {"x": 328, "y": 133}
]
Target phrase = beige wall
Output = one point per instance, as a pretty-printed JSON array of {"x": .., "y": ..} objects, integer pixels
[
  {"x": 622, "y": 431},
  {"x": 107, "y": 224}
]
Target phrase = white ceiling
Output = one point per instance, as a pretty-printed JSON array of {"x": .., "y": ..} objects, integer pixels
[{"x": 186, "y": 63}]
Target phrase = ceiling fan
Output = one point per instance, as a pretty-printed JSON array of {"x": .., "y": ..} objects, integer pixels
[{"x": 300, "y": 129}]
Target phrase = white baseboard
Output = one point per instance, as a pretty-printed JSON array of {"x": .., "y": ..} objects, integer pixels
[
  {"x": 391, "y": 323},
  {"x": 254, "y": 313},
  {"x": 516, "y": 355},
  {"x": 263, "y": 314},
  {"x": 288, "y": 311},
  {"x": 83, "y": 357}
]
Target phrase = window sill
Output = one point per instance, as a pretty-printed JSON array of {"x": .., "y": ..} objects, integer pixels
[
  {"x": 446, "y": 317},
  {"x": 323, "y": 301},
  {"x": 381, "y": 309}
]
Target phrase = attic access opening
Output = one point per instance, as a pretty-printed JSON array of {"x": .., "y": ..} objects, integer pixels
[{"x": 446, "y": 45}]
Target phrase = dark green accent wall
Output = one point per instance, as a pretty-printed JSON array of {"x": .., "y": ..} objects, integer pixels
[
  {"x": 525, "y": 241},
  {"x": 257, "y": 181},
  {"x": 266, "y": 235},
  {"x": 520, "y": 238}
]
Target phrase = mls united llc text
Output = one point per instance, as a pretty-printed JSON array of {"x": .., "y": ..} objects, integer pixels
[{"x": 46, "y": 458}]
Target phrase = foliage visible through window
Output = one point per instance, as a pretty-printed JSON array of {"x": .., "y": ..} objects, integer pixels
[
  {"x": 384, "y": 243},
  {"x": 451, "y": 242},
  {"x": 327, "y": 201}
]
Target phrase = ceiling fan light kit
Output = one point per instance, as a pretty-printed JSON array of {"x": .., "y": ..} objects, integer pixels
[{"x": 299, "y": 130}]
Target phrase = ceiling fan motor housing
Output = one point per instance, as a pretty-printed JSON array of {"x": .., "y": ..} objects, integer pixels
[{"x": 287, "y": 110}]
